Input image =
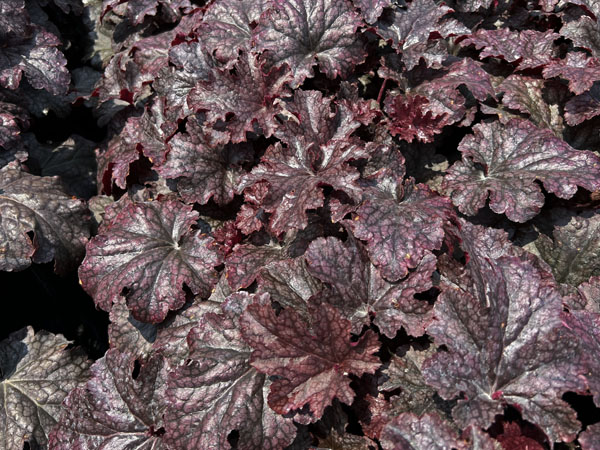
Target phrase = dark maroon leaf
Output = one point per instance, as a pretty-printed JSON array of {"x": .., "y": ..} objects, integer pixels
[
  {"x": 504, "y": 162},
  {"x": 36, "y": 374},
  {"x": 585, "y": 329},
  {"x": 39, "y": 205},
  {"x": 401, "y": 227},
  {"x": 528, "y": 48},
  {"x": 506, "y": 342},
  {"x": 290, "y": 284},
  {"x": 583, "y": 107},
  {"x": 470, "y": 73},
  {"x": 246, "y": 261},
  {"x": 302, "y": 33},
  {"x": 525, "y": 94},
  {"x": 226, "y": 27},
  {"x": 415, "y": 395},
  {"x": 12, "y": 119},
  {"x": 128, "y": 334},
  {"x": 580, "y": 70},
  {"x": 311, "y": 362},
  {"x": 173, "y": 84},
  {"x": 248, "y": 94},
  {"x": 150, "y": 250},
  {"x": 218, "y": 391},
  {"x": 512, "y": 437},
  {"x": 317, "y": 153},
  {"x": 363, "y": 292},
  {"x": 73, "y": 161},
  {"x": 205, "y": 165},
  {"x": 115, "y": 410},
  {"x": 410, "y": 118}
]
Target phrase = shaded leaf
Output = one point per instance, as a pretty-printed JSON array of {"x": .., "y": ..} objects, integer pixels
[{"x": 36, "y": 374}]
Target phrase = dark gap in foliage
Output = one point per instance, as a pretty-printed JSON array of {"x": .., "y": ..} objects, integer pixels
[
  {"x": 37, "y": 296},
  {"x": 587, "y": 412},
  {"x": 81, "y": 121}
]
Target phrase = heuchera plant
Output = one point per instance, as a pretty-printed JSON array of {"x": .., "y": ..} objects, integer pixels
[{"x": 313, "y": 223}]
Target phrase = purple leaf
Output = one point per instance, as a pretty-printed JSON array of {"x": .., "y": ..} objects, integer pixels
[
  {"x": 409, "y": 29},
  {"x": 506, "y": 342},
  {"x": 302, "y": 33},
  {"x": 525, "y": 94},
  {"x": 590, "y": 438},
  {"x": 36, "y": 374},
  {"x": 218, "y": 391},
  {"x": 317, "y": 153},
  {"x": 401, "y": 228},
  {"x": 204, "y": 164},
  {"x": 410, "y": 432},
  {"x": 504, "y": 162},
  {"x": 150, "y": 250},
  {"x": 583, "y": 107},
  {"x": 363, "y": 292},
  {"x": 36, "y": 54},
  {"x": 39, "y": 205},
  {"x": 528, "y": 48},
  {"x": 115, "y": 410},
  {"x": 580, "y": 70},
  {"x": 311, "y": 362},
  {"x": 226, "y": 27},
  {"x": 371, "y": 9},
  {"x": 249, "y": 94}
]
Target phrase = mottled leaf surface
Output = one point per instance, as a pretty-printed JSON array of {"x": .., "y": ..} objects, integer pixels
[
  {"x": 311, "y": 362},
  {"x": 528, "y": 49},
  {"x": 506, "y": 342},
  {"x": 590, "y": 438},
  {"x": 114, "y": 409},
  {"x": 218, "y": 391},
  {"x": 226, "y": 27},
  {"x": 40, "y": 205},
  {"x": 573, "y": 252},
  {"x": 205, "y": 165},
  {"x": 503, "y": 161},
  {"x": 35, "y": 54},
  {"x": 401, "y": 227},
  {"x": 583, "y": 107},
  {"x": 580, "y": 70},
  {"x": 317, "y": 152},
  {"x": 302, "y": 33},
  {"x": 150, "y": 250},
  {"x": 36, "y": 374},
  {"x": 411, "y": 432},
  {"x": 363, "y": 292},
  {"x": 248, "y": 94},
  {"x": 526, "y": 94}
]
